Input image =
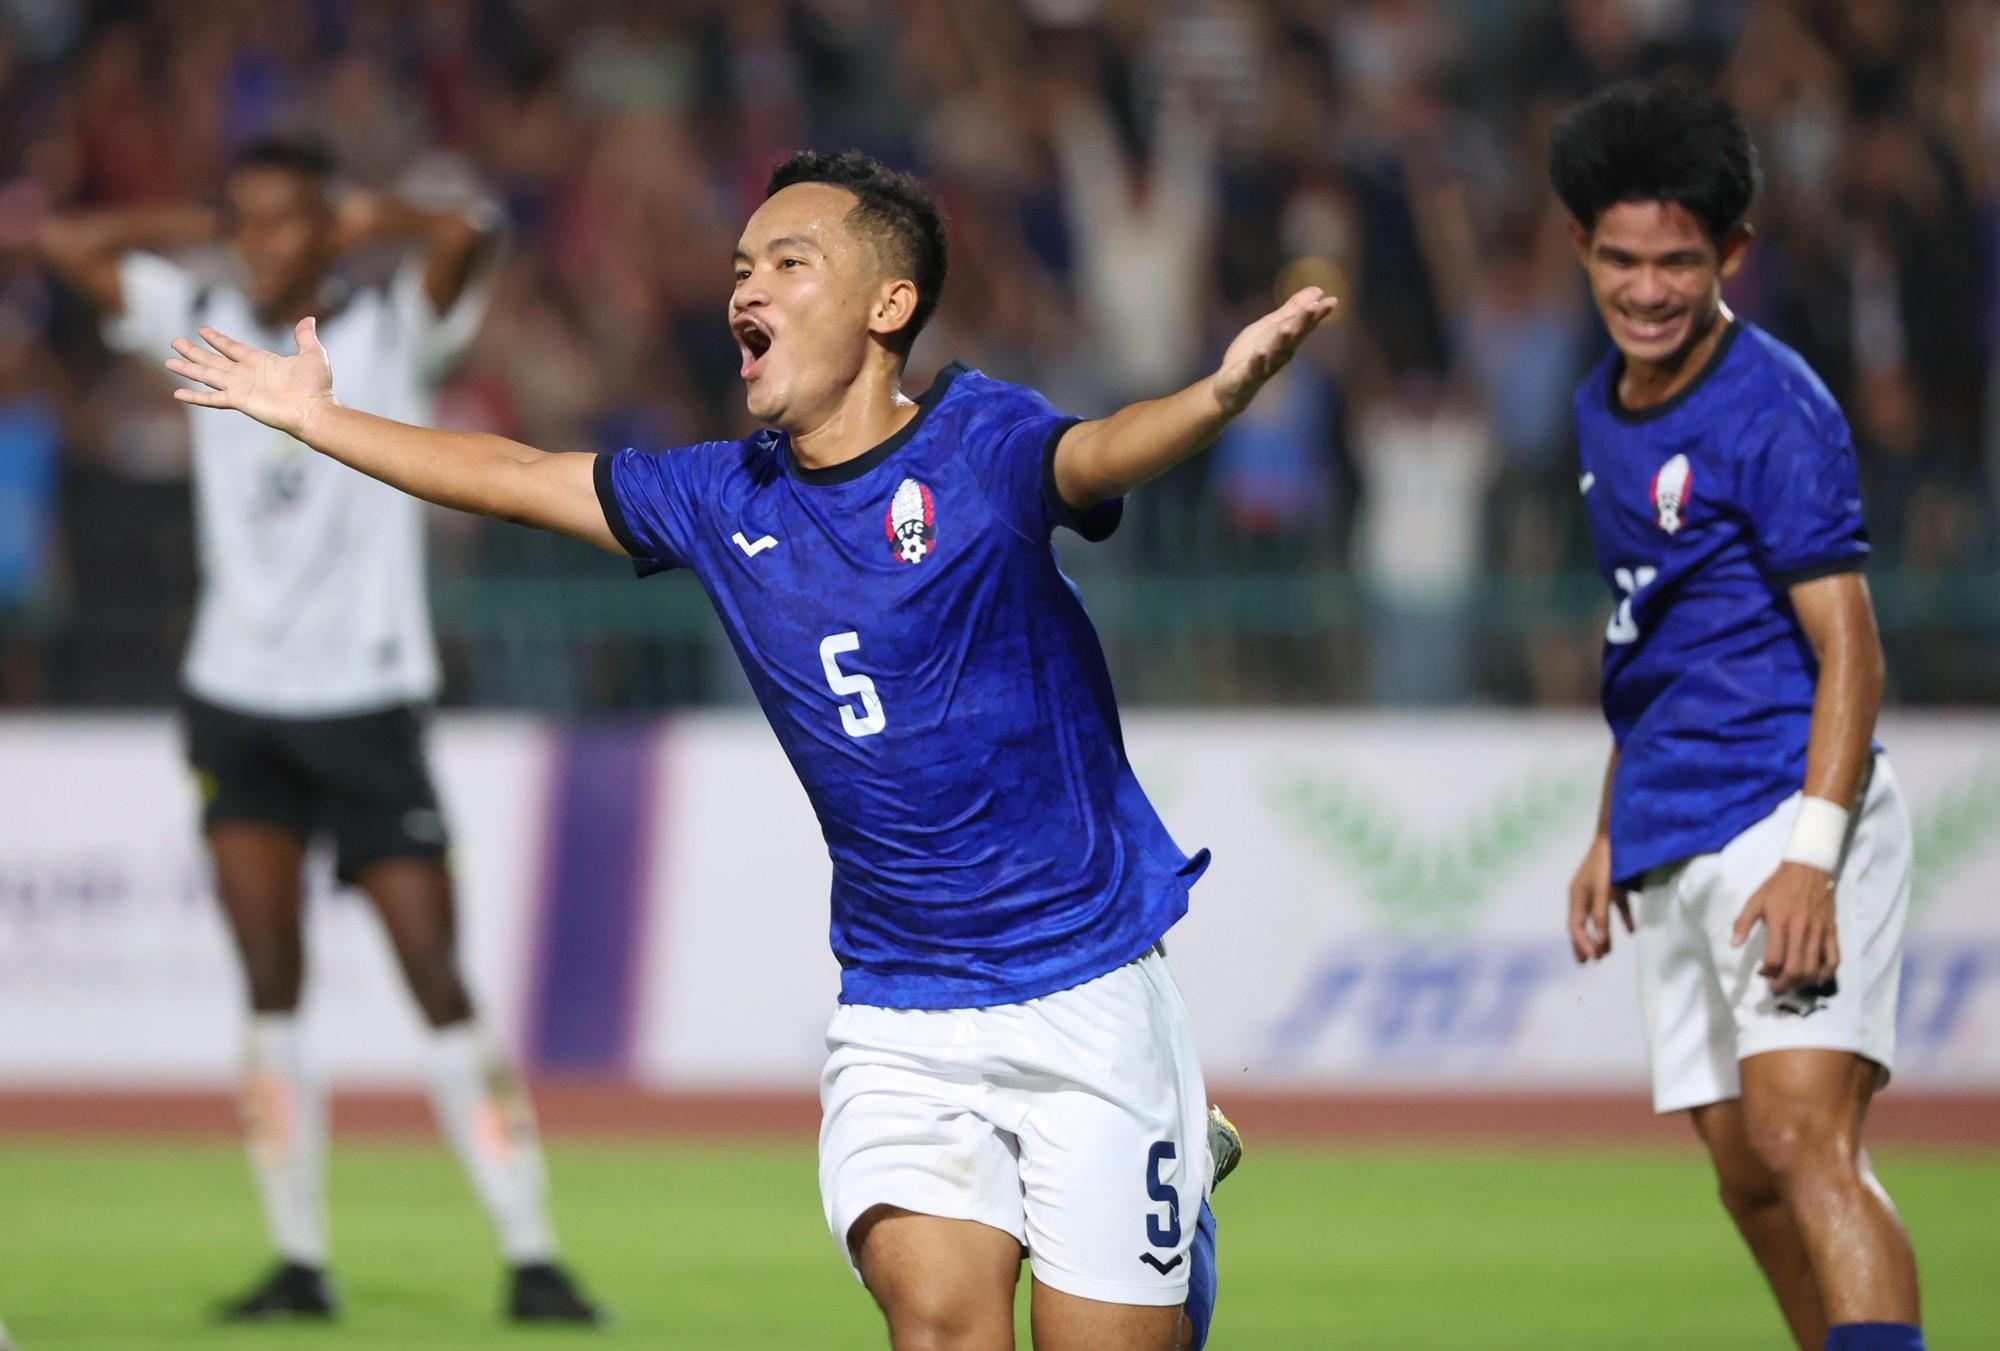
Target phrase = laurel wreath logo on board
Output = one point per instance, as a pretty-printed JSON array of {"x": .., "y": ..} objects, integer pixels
[{"x": 1421, "y": 882}]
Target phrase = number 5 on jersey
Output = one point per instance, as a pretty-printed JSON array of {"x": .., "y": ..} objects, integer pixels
[{"x": 851, "y": 683}]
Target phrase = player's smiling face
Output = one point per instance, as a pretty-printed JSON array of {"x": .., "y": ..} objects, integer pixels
[
  {"x": 807, "y": 293},
  {"x": 1656, "y": 277}
]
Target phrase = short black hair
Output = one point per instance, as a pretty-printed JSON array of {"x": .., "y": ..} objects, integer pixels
[
  {"x": 1661, "y": 140},
  {"x": 894, "y": 209},
  {"x": 296, "y": 154}
]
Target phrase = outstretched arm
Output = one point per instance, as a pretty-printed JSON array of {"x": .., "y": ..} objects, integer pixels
[
  {"x": 471, "y": 471},
  {"x": 1108, "y": 457},
  {"x": 84, "y": 248}
]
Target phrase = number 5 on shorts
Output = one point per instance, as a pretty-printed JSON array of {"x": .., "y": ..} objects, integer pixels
[{"x": 1160, "y": 1235}]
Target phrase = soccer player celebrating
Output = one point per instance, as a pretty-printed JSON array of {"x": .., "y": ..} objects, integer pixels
[
  {"x": 1011, "y": 1066},
  {"x": 310, "y": 660},
  {"x": 1745, "y": 809}
]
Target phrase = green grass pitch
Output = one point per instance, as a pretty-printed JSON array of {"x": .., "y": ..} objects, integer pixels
[{"x": 119, "y": 1247}]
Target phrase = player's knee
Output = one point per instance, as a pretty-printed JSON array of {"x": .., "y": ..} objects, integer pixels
[
  {"x": 274, "y": 977},
  {"x": 1745, "y": 1198},
  {"x": 439, "y": 992},
  {"x": 1795, "y": 1143},
  {"x": 929, "y": 1319}
]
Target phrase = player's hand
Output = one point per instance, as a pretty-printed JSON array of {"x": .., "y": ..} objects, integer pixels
[
  {"x": 360, "y": 215},
  {"x": 1263, "y": 349},
  {"x": 1591, "y": 898},
  {"x": 281, "y": 392},
  {"x": 1801, "y": 940}
]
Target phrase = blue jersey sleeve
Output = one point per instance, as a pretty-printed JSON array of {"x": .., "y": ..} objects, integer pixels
[
  {"x": 1802, "y": 495},
  {"x": 649, "y": 502},
  {"x": 1010, "y": 434}
]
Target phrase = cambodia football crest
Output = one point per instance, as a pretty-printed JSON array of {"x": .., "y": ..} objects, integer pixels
[
  {"x": 912, "y": 522},
  {"x": 1672, "y": 487}
]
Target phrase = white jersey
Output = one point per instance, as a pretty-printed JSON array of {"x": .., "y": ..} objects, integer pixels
[{"x": 312, "y": 600}]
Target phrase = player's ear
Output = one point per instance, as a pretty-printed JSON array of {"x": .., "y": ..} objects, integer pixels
[
  {"x": 895, "y": 306},
  {"x": 1733, "y": 249},
  {"x": 1580, "y": 239}
]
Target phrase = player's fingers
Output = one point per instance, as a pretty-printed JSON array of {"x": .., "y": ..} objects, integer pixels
[
  {"x": 197, "y": 354},
  {"x": 1746, "y": 923},
  {"x": 306, "y": 334},
  {"x": 223, "y": 343},
  {"x": 1778, "y": 943},
  {"x": 1824, "y": 954},
  {"x": 1799, "y": 956},
  {"x": 1624, "y": 904},
  {"x": 187, "y": 369},
  {"x": 1832, "y": 952},
  {"x": 1793, "y": 965},
  {"x": 1579, "y": 922},
  {"x": 1600, "y": 920},
  {"x": 205, "y": 397}
]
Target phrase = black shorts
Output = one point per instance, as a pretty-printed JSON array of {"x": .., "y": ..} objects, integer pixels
[{"x": 360, "y": 779}]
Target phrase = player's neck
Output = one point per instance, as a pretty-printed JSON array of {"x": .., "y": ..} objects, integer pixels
[
  {"x": 1647, "y": 384},
  {"x": 284, "y": 313},
  {"x": 869, "y": 412}
]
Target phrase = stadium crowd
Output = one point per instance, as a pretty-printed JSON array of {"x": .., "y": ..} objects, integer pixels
[{"x": 1127, "y": 181}]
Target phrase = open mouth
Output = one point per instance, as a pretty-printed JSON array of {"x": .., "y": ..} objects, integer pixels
[
  {"x": 754, "y": 341},
  {"x": 1651, "y": 329}
]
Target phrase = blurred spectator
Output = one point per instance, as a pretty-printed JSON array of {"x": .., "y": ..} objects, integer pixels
[
  {"x": 1127, "y": 180},
  {"x": 1141, "y": 228},
  {"x": 1424, "y": 456}
]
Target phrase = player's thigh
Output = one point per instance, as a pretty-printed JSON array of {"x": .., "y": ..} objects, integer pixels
[
  {"x": 1856, "y": 1011},
  {"x": 941, "y": 1283},
  {"x": 1066, "y": 1322},
  {"x": 1113, "y": 1136},
  {"x": 241, "y": 771},
  {"x": 258, "y": 878},
  {"x": 901, "y": 1129},
  {"x": 373, "y": 788}
]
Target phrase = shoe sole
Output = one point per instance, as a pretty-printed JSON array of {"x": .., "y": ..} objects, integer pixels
[{"x": 1225, "y": 1146}]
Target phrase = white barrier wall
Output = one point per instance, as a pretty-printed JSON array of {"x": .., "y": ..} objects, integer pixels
[
  {"x": 115, "y": 965},
  {"x": 1385, "y": 909}
]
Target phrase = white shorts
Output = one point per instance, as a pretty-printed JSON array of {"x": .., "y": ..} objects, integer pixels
[
  {"x": 1706, "y": 1007},
  {"x": 1077, "y": 1122}
]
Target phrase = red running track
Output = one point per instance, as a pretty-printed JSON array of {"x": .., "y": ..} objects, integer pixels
[{"x": 585, "y": 1110}]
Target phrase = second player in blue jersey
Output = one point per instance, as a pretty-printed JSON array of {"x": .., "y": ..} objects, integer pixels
[
  {"x": 1706, "y": 509},
  {"x": 1750, "y": 836}
]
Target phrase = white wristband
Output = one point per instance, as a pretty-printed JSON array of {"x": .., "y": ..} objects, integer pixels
[{"x": 1819, "y": 835}]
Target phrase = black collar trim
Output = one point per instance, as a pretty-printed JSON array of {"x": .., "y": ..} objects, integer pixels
[
  {"x": 848, "y": 470},
  {"x": 1660, "y": 410}
]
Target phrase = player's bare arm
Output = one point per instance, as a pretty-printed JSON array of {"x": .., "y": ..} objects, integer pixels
[
  {"x": 1108, "y": 457},
  {"x": 1591, "y": 893},
  {"x": 454, "y": 243},
  {"x": 469, "y": 471},
  {"x": 1796, "y": 906},
  {"x": 84, "y": 247}
]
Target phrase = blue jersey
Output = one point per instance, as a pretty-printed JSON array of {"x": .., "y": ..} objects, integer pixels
[
  {"x": 1704, "y": 511},
  {"x": 937, "y": 686}
]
